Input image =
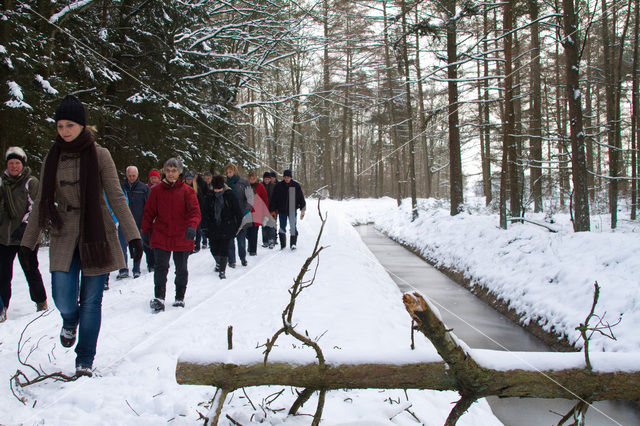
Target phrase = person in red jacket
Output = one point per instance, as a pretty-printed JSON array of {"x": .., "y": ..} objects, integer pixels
[
  {"x": 171, "y": 216},
  {"x": 259, "y": 211}
]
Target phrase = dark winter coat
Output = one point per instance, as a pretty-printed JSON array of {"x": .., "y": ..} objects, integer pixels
[
  {"x": 242, "y": 190},
  {"x": 63, "y": 242},
  {"x": 137, "y": 193},
  {"x": 287, "y": 197},
  {"x": 24, "y": 189},
  {"x": 169, "y": 211},
  {"x": 231, "y": 216}
]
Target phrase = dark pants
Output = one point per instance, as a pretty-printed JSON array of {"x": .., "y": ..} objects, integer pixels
[
  {"x": 219, "y": 247},
  {"x": 124, "y": 245},
  {"x": 29, "y": 265},
  {"x": 252, "y": 238},
  {"x": 151, "y": 261},
  {"x": 78, "y": 297},
  {"x": 162, "y": 269},
  {"x": 199, "y": 237},
  {"x": 241, "y": 238}
]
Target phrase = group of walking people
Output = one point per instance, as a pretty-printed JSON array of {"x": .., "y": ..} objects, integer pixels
[{"x": 93, "y": 220}]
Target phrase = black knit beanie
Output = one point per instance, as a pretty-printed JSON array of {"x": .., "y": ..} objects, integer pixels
[{"x": 71, "y": 109}]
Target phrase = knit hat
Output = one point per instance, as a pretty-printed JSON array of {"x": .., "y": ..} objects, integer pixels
[
  {"x": 287, "y": 173},
  {"x": 273, "y": 175},
  {"x": 266, "y": 175},
  {"x": 189, "y": 175},
  {"x": 154, "y": 173},
  {"x": 15, "y": 152},
  {"x": 218, "y": 182},
  {"x": 71, "y": 109}
]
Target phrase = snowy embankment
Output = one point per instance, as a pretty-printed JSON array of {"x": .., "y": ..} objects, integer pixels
[
  {"x": 546, "y": 277},
  {"x": 353, "y": 308}
]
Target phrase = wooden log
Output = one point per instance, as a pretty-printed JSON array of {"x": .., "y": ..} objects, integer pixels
[{"x": 433, "y": 375}]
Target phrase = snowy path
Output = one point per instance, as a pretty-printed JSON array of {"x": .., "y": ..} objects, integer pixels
[{"x": 354, "y": 305}]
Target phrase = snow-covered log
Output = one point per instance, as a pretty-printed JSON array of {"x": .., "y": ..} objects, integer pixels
[{"x": 478, "y": 373}]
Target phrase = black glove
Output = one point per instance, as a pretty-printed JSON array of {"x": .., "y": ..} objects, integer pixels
[
  {"x": 19, "y": 232},
  {"x": 135, "y": 248},
  {"x": 190, "y": 234},
  {"x": 145, "y": 239}
]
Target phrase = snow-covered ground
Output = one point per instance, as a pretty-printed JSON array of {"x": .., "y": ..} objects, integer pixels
[{"x": 353, "y": 305}]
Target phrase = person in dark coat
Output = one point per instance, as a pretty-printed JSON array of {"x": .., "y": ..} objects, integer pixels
[
  {"x": 171, "y": 216},
  {"x": 243, "y": 192},
  {"x": 269, "y": 228},
  {"x": 221, "y": 221},
  {"x": 18, "y": 190},
  {"x": 78, "y": 178},
  {"x": 137, "y": 194},
  {"x": 204, "y": 182},
  {"x": 286, "y": 200}
]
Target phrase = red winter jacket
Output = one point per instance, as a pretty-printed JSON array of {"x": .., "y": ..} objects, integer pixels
[
  {"x": 169, "y": 211},
  {"x": 260, "y": 207}
]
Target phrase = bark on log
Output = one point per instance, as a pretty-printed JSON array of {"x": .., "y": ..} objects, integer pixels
[{"x": 434, "y": 375}]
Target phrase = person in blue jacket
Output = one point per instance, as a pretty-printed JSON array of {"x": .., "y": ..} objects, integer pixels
[{"x": 137, "y": 193}]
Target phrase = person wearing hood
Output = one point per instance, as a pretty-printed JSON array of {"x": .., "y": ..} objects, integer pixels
[
  {"x": 17, "y": 194},
  {"x": 221, "y": 219},
  {"x": 171, "y": 216},
  {"x": 78, "y": 179}
]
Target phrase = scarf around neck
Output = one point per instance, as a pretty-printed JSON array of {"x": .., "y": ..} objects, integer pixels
[
  {"x": 9, "y": 183},
  {"x": 93, "y": 247}
]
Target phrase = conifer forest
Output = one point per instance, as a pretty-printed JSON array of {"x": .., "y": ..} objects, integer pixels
[{"x": 531, "y": 104}]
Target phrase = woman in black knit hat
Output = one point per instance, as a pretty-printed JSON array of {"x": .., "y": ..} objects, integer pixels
[
  {"x": 76, "y": 177},
  {"x": 220, "y": 221}
]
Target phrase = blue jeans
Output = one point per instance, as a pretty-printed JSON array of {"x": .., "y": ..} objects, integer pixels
[
  {"x": 292, "y": 223},
  {"x": 79, "y": 299},
  {"x": 242, "y": 246}
]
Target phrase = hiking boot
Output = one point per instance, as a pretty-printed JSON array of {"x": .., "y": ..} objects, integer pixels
[
  {"x": 272, "y": 244},
  {"x": 244, "y": 262},
  {"x": 83, "y": 370},
  {"x": 157, "y": 305},
  {"x": 42, "y": 306},
  {"x": 122, "y": 275},
  {"x": 253, "y": 253},
  {"x": 178, "y": 303},
  {"x": 294, "y": 242},
  {"x": 283, "y": 240},
  {"x": 232, "y": 265},
  {"x": 3, "y": 315},
  {"x": 265, "y": 245},
  {"x": 222, "y": 275},
  {"x": 67, "y": 337},
  {"x": 136, "y": 275}
]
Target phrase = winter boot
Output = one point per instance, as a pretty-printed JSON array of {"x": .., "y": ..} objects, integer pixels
[
  {"x": 217, "y": 259},
  {"x": 68, "y": 337},
  {"x": 83, "y": 370},
  {"x": 283, "y": 240},
  {"x": 157, "y": 305},
  {"x": 223, "y": 267},
  {"x": 294, "y": 240}
]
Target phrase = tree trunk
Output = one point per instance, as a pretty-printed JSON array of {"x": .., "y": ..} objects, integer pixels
[
  {"x": 535, "y": 127},
  {"x": 325, "y": 131},
  {"x": 634, "y": 113},
  {"x": 611, "y": 118},
  {"x": 455, "y": 161},
  {"x": 508, "y": 143},
  {"x": 409, "y": 112},
  {"x": 581, "y": 221}
]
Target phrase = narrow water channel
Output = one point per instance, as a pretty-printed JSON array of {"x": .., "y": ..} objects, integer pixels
[{"x": 480, "y": 326}]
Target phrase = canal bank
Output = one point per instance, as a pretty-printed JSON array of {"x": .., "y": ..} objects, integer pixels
[{"x": 480, "y": 326}]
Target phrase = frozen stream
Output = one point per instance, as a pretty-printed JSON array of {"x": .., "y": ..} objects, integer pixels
[{"x": 480, "y": 326}]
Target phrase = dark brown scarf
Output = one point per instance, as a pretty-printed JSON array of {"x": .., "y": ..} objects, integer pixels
[
  {"x": 9, "y": 183},
  {"x": 94, "y": 250}
]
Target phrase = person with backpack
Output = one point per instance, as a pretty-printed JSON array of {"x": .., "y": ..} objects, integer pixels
[{"x": 18, "y": 189}]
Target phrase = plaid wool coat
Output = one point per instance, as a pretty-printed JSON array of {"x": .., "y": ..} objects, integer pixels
[{"x": 67, "y": 197}]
